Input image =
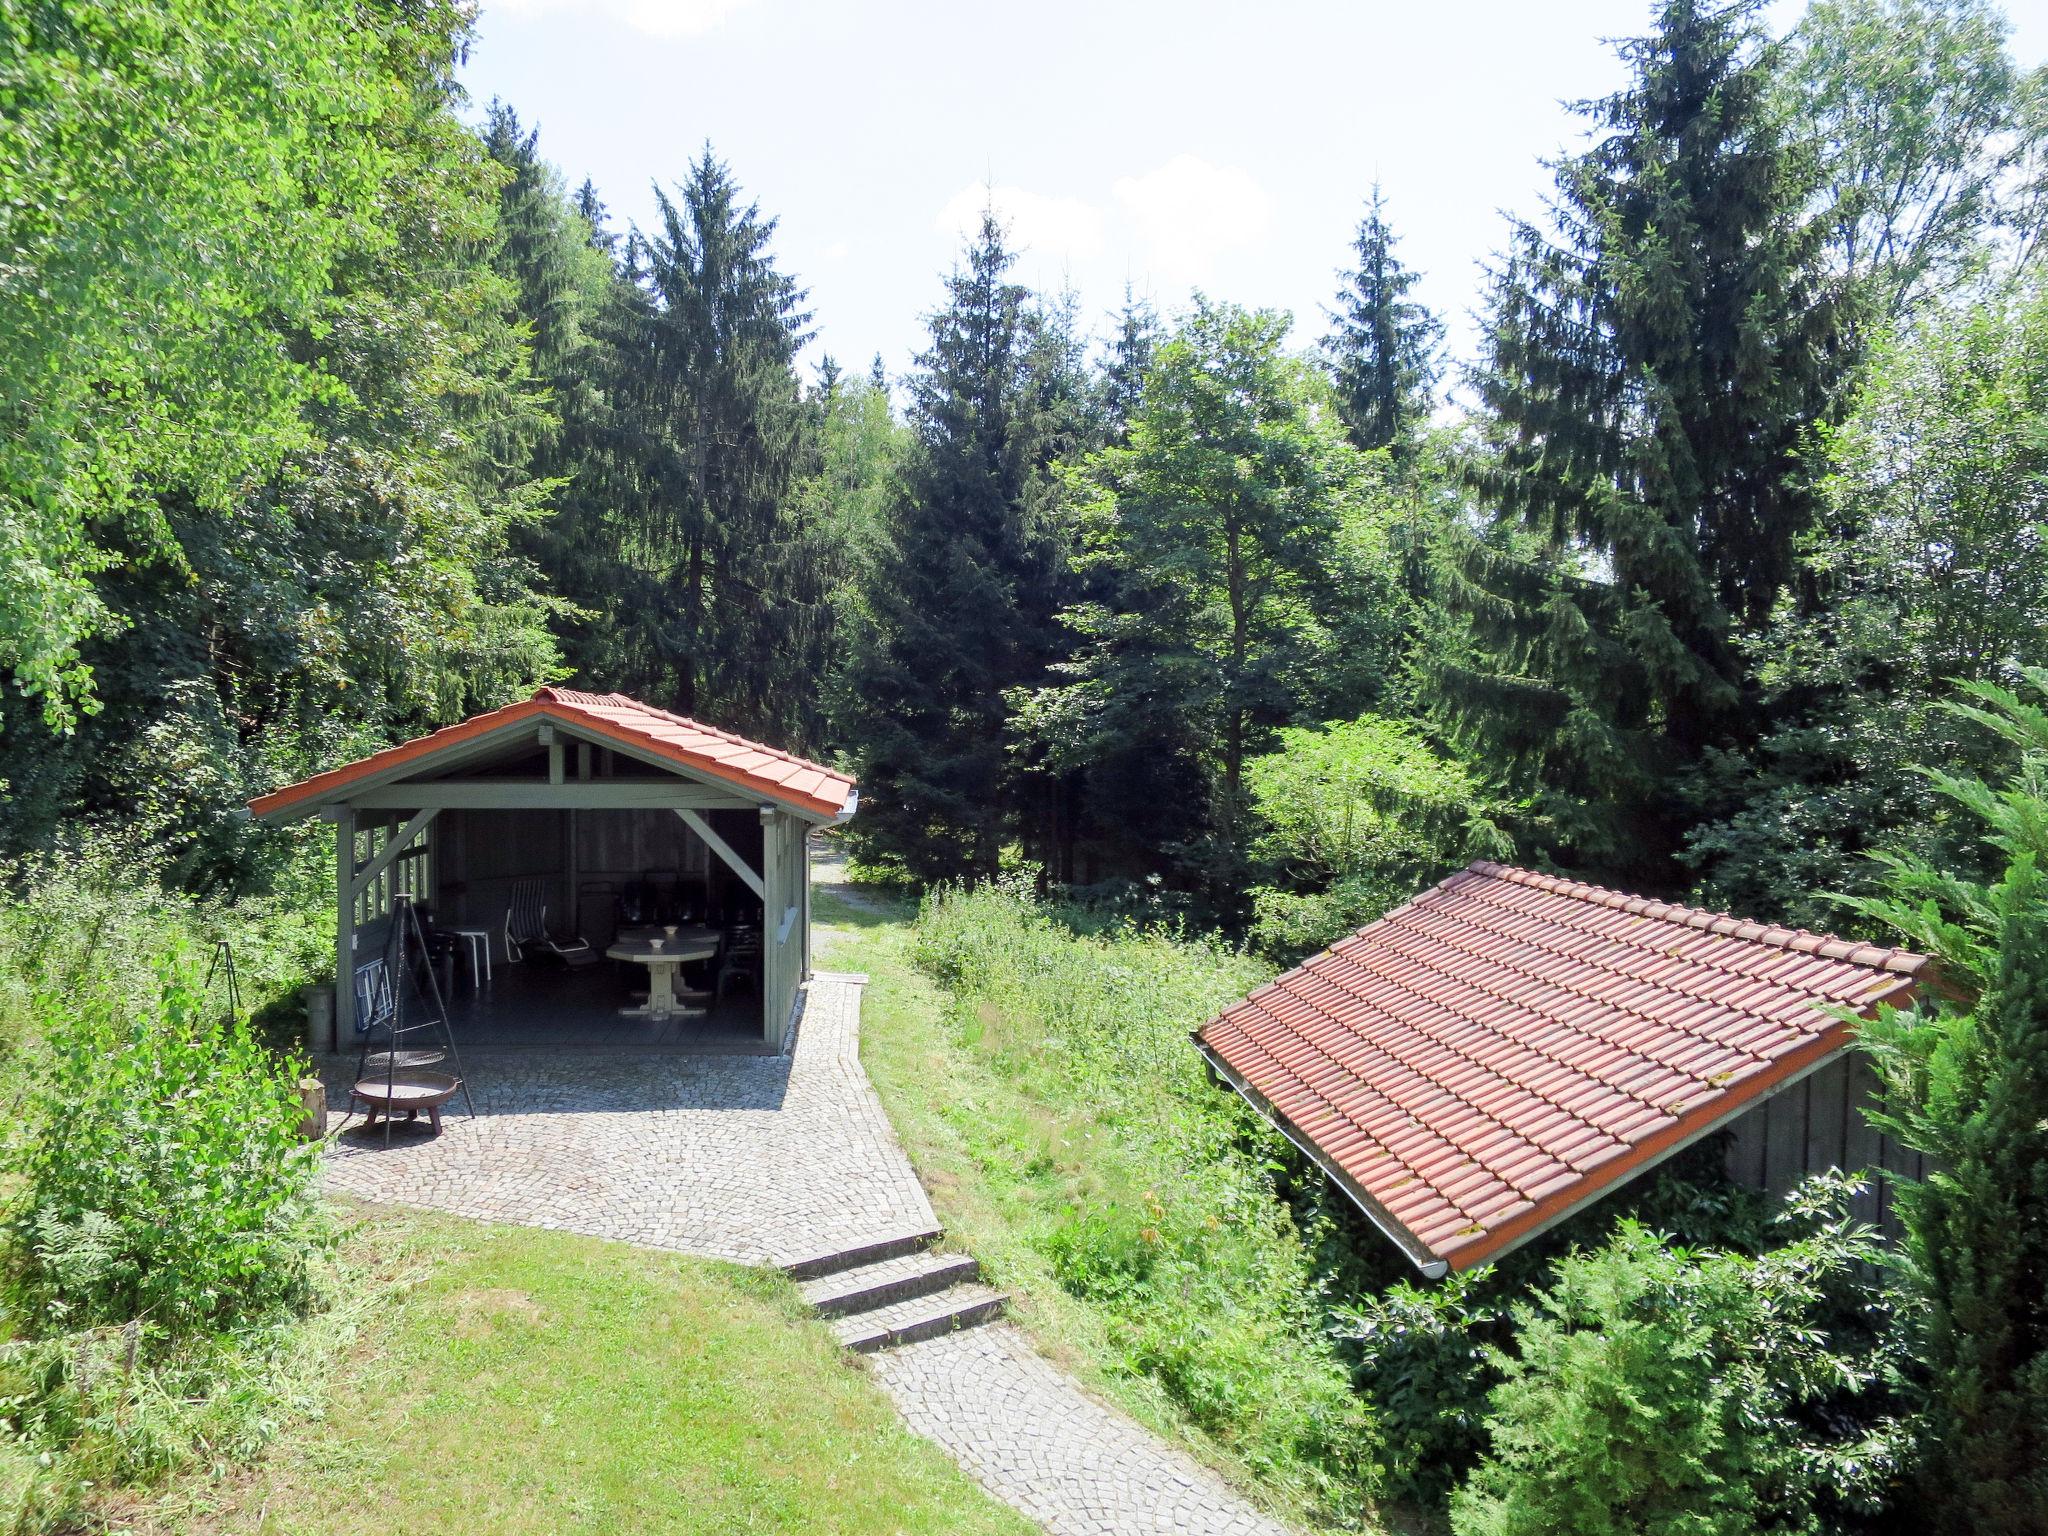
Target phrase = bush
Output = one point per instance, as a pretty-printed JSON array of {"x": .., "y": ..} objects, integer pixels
[
  {"x": 1655, "y": 1390},
  {"x": 1427, "y": 1356},
  {"x": 166, "y": 1185},
  {"x": 162, "y": 1234},
  {"x": 1966, "y": 1075},
  {"x": 1427, "y": 1359},
  {"x": 1354, "y": 818}
]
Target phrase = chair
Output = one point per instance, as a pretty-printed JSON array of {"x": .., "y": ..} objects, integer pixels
[
  {"x": 376, "y": 1001},
  {"x": 739, "y": 959},
  {"x": 526, "y": 927}
]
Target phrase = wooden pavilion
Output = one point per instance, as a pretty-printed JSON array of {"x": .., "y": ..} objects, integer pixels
[{"x": 578, "y": 799}]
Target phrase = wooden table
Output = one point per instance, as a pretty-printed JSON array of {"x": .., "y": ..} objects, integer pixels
[{"x": 661, "y": 970}]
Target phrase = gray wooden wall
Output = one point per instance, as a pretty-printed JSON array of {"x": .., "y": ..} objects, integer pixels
[
  {"x": 481, "y": 855},
  {"x": 1817, "y": 1124}
]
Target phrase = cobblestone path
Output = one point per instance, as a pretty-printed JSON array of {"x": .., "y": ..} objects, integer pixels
[
  {"x": 1031, "y": 1436},
  {"x": 760, "y": 1159}
]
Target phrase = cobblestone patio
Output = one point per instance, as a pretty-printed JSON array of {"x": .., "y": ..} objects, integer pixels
[
  {"x": 759, "y": 1159},
  {"x": 1028, "y": 1433}
]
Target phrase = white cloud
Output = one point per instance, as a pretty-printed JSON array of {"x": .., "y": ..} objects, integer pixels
[
  {"x": 838, "y": 250},
  {"x": 1058, "y": 229},
  {"x": 1189, "y": 211},
  {"x": 656, "y": 18}
]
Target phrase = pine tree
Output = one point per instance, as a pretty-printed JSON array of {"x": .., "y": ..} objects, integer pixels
[
  {"x": 1654, "y": 368},
  {"x": 1383, "y": 346},
  {"x": 961, "y": 607}
]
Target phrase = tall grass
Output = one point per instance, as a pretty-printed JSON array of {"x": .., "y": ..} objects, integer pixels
[
  {"x": 1153, "y": 1196},
  {"x": 163, "y": 1244}
]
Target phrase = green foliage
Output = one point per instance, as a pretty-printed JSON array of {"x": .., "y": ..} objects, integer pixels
[
  {"x": 359, "y": 579},
  {"x": 176, "y": 180},
  {"x": 1654, "y": 366},
  {"x": 1919, "y": 119},
  {"x": 1427, "y": 1358},
  {"x": 1157, "y": 1207},
  {"x": 163, "y": 1238},
  {"x": 1927, "y": 570},
  {"x": 1966, "y": 1078},
  {"x": 1241, "y": 567},
  {"x": 1352, "y": 819},
  {"x": 702, "y": 584},
  {"x": 166, "y": 1184},
  {"x": 959, "y": 608},
  {"x": 1657, "y": 1390}
]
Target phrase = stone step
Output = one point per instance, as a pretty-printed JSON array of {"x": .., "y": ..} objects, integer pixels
[
  {"x": 887, "y": 1281},
  {"x": 862, "y": 1253},
  {"x": 921, "y": 1317}
]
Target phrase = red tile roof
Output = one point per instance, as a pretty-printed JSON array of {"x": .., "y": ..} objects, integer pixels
[
  {"x": 610, "y": 717},
  {"x": 1478, "y": 1064}
]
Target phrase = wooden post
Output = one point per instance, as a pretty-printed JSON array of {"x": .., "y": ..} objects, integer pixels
[
  {"x": 344, "y": 925},
  {"x": 774, "y": 896},
  {"x": 804, "y": 862}
]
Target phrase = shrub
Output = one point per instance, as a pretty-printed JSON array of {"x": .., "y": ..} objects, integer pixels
[
  {"x": 1427, "y": 1356},
  {"x": 1427, "y": 1359},
  {"x": 1352, "y": 819},
  {"x": 1655, "y": 1390},
  {"x": 1967, "y": 1078},
  {"x": 166, "y": 1185},
  {"x": 161, "y": 1234}
]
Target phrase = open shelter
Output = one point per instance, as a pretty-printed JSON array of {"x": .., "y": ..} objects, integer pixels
[{"x": 543, "y": 829}]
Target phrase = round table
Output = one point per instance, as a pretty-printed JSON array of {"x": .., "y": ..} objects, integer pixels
[{"x": 661, "y": 970}]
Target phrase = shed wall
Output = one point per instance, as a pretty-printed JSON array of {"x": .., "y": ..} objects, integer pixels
[{"x": 1820, "y": 1123}]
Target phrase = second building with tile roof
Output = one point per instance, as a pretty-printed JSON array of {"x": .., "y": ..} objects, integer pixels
[{"x": 1507, "y": 1048}]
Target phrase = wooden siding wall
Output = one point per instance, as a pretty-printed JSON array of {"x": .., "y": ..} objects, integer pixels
[
  {"x": 1816, "y": 1124},
  {"x": 482, "y": 855}
]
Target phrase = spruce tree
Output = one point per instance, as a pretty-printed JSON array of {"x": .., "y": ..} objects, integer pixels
[
  {"x": 719, "y": 609},
  {"x": 961, "y": 603},
  {"x": 1653, "y": 368},
  {"x": 1130, "y": 355},
  {"x": 1383, "y": 346},
  {"x": 579, "y": 310}
]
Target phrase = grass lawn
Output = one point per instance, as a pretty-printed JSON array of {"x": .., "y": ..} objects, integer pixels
[
  {"x": 526, "y": 1383},
  {"x": 1008, "y": 1158}
]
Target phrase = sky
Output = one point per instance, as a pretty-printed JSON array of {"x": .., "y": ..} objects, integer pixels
[{"x": 1175, "y": 145}]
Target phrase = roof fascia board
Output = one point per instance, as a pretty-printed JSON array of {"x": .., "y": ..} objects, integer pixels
[
  {"x": 1597, "y": 1187},
  {"x": 1432, "y": 1267},
  {"x": 600, "y": 734},
  {"x": 541, "y": 794},
  {"x": 453, "y": 755}
]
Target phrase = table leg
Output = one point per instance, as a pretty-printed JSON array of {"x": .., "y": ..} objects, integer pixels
[{"x": 661, "y": 990}]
